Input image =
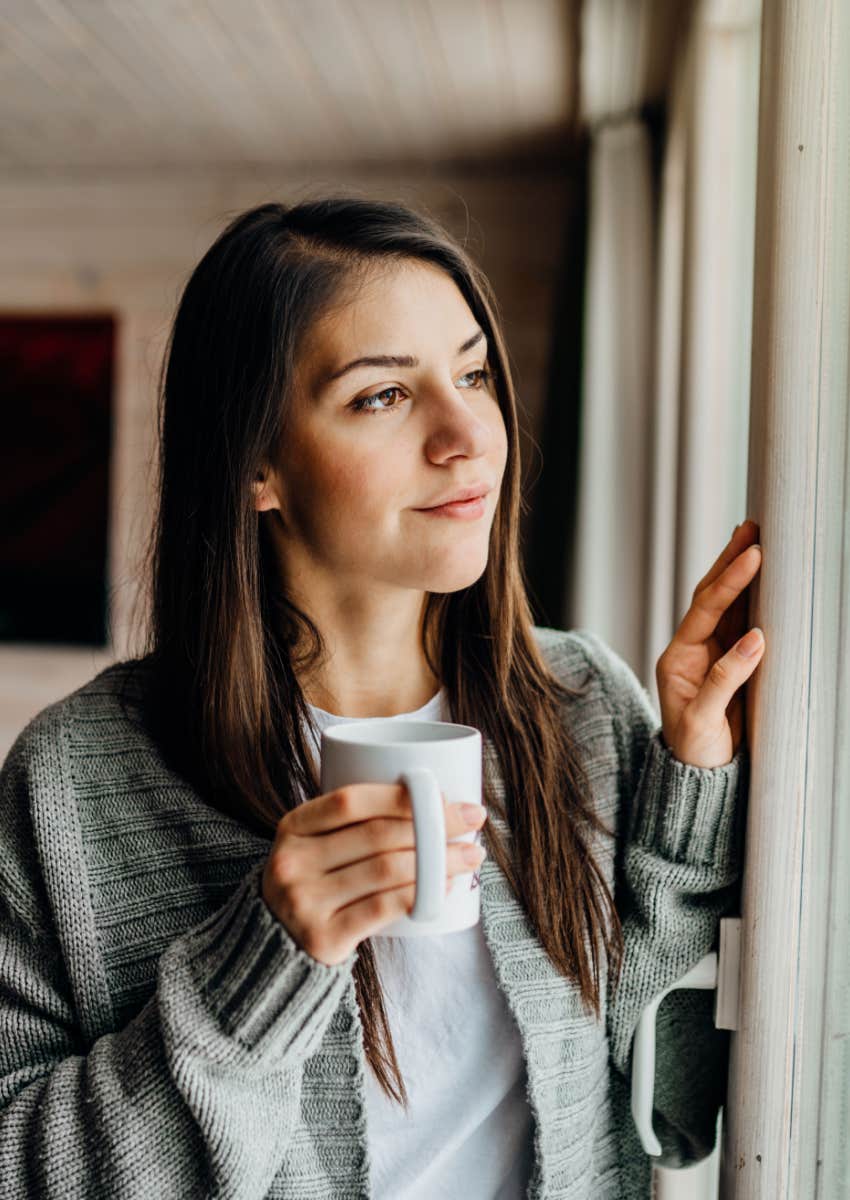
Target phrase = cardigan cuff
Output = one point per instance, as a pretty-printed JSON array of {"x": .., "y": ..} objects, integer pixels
[
  {"x": 265, "y": 992},
  {"x": 686, "y": 813}
]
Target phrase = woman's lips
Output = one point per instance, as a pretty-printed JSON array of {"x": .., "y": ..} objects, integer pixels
[{"x": 464, "y": 510}]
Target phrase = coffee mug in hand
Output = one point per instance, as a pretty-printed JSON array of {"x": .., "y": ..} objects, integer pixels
[{"x": 432, "y": 759}]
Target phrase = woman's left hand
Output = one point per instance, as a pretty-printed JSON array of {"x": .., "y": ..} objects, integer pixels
[{"x": 701, "y": 674}]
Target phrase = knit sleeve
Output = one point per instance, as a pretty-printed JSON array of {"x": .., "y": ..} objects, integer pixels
[
  {"x": 198, "y": 1094},
  {"x": 680, "y": 854}
]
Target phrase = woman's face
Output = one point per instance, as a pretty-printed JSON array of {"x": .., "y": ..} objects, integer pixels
[{"x": 348, "y": 483}]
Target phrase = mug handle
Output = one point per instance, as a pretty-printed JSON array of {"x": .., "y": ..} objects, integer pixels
[{"x": 429, "y": 825}]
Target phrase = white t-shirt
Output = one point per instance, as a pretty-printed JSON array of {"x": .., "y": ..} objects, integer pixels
[{"x": 468, "y": 1132}]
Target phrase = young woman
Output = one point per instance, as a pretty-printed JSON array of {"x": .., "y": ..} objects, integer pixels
[{"x": 195, "y": 998}]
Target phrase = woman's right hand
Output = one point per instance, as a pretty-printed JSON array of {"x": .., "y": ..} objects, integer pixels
[{"x": 343, "y": 865}]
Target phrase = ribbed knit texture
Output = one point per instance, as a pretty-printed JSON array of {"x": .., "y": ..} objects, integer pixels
[{"x": 162, "y": 1035}]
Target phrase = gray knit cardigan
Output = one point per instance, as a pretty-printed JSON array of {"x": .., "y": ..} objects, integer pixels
[{"x": 161, "y": 1034}]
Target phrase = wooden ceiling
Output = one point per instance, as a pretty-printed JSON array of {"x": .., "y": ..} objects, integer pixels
[{"x": 92, "y": 85}]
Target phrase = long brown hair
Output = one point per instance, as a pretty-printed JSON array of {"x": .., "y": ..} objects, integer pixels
[{"x": 227, "y": 647}]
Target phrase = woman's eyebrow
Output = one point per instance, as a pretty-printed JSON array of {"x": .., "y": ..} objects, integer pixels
[{"x": 389, "y": 360}]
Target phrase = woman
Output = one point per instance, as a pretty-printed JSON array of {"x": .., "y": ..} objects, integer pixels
[{"x": 192, "y": 976}]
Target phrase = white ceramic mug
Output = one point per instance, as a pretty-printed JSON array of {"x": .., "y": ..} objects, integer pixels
[{"x": 429, "y": 758}]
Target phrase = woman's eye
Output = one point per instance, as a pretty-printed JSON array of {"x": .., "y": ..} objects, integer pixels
[
  {"x": 360, "y": 405},
  {"x": 481, "y": 374}
]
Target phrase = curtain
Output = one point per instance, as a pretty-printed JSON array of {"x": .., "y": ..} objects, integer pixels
[
  {"x": 662, "y": 455},
  {"x": 667, "y": 315},
  {"x": 608, "y": 589}
]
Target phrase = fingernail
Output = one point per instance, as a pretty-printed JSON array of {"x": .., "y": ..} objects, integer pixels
[
  {"x": 472, "y": 813},
  {"x": 750, "y": 644}
]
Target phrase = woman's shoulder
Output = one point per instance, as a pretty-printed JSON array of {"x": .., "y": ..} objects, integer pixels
[
  {"x": 566, "y": 654},
  {"x": 582, "y": 654},
  {"x": 53, "y": 763},
  {"x": 107, "y": 710},
  {"x": 584, "y": 660},
  {"x": 580, "y": 657}
]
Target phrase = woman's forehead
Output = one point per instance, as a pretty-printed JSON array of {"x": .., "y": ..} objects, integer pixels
[
  {"x": 393, "y": 292},
  {"x": 401, "y": 311}
]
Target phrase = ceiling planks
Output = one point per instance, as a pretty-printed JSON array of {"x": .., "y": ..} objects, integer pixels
[{"x": 101, "y": 84}]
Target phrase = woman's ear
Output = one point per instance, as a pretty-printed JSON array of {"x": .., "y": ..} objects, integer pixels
[{"x": 264, "y": 494}]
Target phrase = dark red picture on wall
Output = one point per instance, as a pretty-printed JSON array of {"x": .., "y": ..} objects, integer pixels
[{"x": 56, "y": 378}]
